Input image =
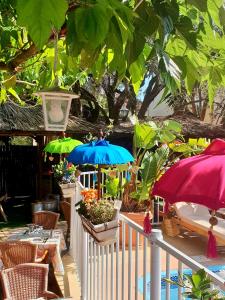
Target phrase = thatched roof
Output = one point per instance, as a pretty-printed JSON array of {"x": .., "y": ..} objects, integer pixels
[
  {"x": 191, "y": 126},
  {"x": 25, "y": 120},
  {"x": 15, "y": 119}
]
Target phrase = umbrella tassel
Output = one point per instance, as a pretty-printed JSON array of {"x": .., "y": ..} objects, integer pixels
[
  {"x": 211, "y": 248},
  {"x": 147, "y": 224}
]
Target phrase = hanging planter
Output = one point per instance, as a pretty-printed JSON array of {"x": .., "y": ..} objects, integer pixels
[
  {"x": 103, "y": 234},
  {"x": 67, "y": 189},
  {"x": 99, "y": 217}
]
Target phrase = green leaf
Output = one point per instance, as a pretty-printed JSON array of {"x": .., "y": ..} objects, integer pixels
[
  {"x": 14, "y": 93},
  {"x": 173, "y": 125},
  {"x": 40, "y": 17},
  {"x": 222, "y": 16},
  {"x": 167, "y": 136},
  {"x": 211, "y": 93},
  {"x": 135, "y": 47},
  {"x": 171, "y": 67},
  {"x": 192, "y": 75},
  {"x": 180, "y": 148},
  {"x": 9, "y": 82},
  {"x": 112, "y": 186},
  {"x": 214, "y": 8},
  {"x": 200, "y": 4},
  {"x": 144, "y": 136},
  {"x": 137, "y": 71},
  {"x": 3, "y": 95},
  {"x": 186, "y": 30},
  {"x": 196, "y": 279},
  {"x": 92, "y": 24}
]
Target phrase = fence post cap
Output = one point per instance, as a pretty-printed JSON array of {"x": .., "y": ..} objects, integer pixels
[{"x": 156, "y": 234}]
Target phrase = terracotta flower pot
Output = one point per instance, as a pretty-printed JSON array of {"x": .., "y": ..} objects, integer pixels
[{"x": 137, "y": 217}]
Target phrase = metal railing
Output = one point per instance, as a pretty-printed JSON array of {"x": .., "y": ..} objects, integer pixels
[{"x": 130, "y": 268}]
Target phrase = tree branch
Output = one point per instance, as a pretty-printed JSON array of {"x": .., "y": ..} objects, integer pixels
[
  {"x": 84, "y": 94},
  {"x": 12, "y": 66}
]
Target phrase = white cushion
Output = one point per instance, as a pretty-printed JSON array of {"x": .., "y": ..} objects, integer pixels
[
  {"x": 201, "y": 210},
  {"x": 184, "y": 209},
  {"x": 203, "y": 224}
]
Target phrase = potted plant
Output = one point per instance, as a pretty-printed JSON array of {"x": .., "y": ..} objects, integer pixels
[
  {"x": 65, "y": 174},
  {"x": 197, "y": 286},
  {"x": 99, "y": 217},
  {"x": 156, "y": 148}
]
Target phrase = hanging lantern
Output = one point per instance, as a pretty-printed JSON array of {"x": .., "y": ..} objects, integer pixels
[
  {"x": 56, "y": 104},
  {"x": 123, "y": 114}
]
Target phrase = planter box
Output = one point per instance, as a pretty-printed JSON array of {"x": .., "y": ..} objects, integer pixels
[
  {"x": 68, "y": 189},
  {"x": 137, "y": 217},
  {"x": 103, "y": 234}
]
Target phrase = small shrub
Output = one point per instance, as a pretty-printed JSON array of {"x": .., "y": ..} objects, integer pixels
[{"x": 101, "y": 212}]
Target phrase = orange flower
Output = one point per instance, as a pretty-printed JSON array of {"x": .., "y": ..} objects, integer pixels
[{"x": 89, "y": 195}]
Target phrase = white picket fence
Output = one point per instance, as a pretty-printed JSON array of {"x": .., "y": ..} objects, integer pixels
[
  {"x": 88, "y": 180},
  {"x": 119, "y": 271}
]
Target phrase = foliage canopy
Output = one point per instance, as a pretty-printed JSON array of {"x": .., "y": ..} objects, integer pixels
[{"x": 185, "y": 37}]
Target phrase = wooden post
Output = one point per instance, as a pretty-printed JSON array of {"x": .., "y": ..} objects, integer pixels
[
  {"x": 99, "y": 182},
  {"x": 40, "y": 144}
]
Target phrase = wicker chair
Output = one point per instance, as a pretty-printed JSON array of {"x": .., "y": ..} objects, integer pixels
[
  {"x": 26, "y": 281},
  {"x": 66, "y": 209},
  {"x": 47, "y": 219},
  {"x": 13, "y": 253}
]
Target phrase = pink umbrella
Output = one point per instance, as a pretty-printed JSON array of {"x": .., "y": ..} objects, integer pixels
[{"x": 199, "y": 179}]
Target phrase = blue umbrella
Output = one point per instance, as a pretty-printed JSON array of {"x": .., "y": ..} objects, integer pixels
[{"x": 99, "y": 153}]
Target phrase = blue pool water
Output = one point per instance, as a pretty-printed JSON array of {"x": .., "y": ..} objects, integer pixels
[{"x": 174, "y": 277}]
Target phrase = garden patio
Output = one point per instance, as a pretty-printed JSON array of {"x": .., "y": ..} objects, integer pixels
[
  {"x": 112, "y": 128},
  {"x": 190, "y": 244}
]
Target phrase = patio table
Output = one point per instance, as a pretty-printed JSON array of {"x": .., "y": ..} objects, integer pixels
[{"x": 51, "y": 240}]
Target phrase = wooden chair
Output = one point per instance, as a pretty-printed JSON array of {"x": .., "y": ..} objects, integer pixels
[
  {"x": 26, "y": 281},
  {"x": 13, "y": 253},
  {"x": 3, "y": 198},
  {"x": 47, "y": 219},
  {"x": 66, "y": 209}
]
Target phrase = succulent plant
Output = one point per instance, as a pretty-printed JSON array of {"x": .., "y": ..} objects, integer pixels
[{"x": 101, "y": 212}]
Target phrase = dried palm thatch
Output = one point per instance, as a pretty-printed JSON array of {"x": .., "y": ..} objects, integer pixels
[
  {"x": 30, "y": 119},
  {"x": 192, "y": 127}
]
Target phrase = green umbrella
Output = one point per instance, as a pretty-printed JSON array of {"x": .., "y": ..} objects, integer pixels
[{"x": 64, "y": 145}]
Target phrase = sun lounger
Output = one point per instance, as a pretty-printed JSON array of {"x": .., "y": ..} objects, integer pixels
[{"x": 195, "y": 217}]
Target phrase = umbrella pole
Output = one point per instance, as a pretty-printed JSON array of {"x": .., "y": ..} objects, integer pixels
[{"x": 99, "y": 182}]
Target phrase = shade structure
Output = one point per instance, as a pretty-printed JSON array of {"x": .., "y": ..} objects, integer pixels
[
  {"x": 100, "y": 152},
  {"x": 199, "y": 179},
  {"x": 64, "y": 145}
]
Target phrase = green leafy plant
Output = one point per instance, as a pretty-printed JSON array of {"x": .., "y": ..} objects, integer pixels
[
  {"x": 97, "y": 212},
  {"x": 156, "y": 148},
  {"x": 197, "y": 286},
  {"x": 114, "y": 184},
  {"x": 192, "y": 146},
  {"x": 101, "y": 212},
  {"x": 64, "y": 172}
]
